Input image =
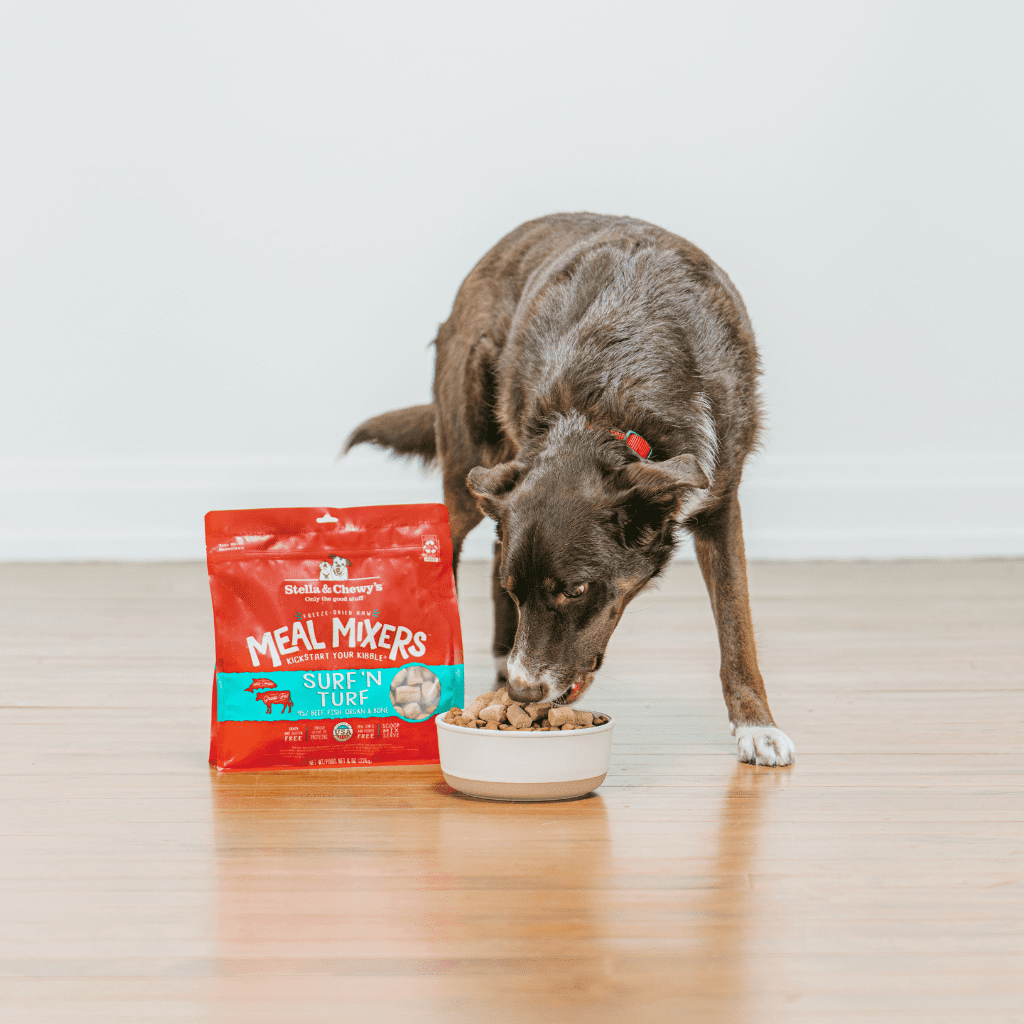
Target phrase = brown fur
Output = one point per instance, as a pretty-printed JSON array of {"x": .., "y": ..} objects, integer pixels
[{"x": 572, "y": 325}]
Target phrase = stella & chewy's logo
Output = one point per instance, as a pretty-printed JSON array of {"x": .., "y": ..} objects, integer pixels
[
  {"x": 334, "y": 579},
  {"x": 336, "y": 569},
  {"x": 431, "y": 549}
]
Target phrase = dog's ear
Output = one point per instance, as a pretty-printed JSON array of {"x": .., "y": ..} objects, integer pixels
[
  {"x": 491, "y": 486},
  {"x": 675, "y": 475},
  {"x": 652, "y": 494},
  {"x": 684, "y": 468}
]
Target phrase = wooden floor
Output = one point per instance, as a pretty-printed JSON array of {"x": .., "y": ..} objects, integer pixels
[{"x": 880, "y": 879}]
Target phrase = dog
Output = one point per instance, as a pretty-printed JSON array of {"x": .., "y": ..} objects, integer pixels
[
  {"x": 595, "y": 392},
  {"x": 339, "y": 568}
]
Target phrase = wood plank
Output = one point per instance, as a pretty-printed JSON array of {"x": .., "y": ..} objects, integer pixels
[{"x": 880, "y": 879}]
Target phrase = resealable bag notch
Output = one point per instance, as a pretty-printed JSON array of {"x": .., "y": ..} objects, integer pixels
[{"x": 337, "y": 632}]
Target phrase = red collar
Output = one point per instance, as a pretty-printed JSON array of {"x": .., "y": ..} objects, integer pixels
[{"x": 635, "y": 441}]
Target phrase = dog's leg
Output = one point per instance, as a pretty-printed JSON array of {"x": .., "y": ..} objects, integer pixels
[
  {"x": 718, "y": 538},
  {"x": 463, "y": 513},
  {"x": 506, "y": 619}
]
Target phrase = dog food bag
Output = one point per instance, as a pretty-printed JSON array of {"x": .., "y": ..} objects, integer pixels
[{"x": 338, "y": 635}]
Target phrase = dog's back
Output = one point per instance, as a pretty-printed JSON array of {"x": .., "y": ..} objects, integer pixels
[{"x": 609, "y": 315}]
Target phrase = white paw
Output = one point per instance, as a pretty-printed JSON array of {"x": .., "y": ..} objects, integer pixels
[{"x": 762, "y": 744}]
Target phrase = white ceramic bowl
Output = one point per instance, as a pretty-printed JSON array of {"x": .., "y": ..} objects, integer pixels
[{"x": 524, "y": 765}]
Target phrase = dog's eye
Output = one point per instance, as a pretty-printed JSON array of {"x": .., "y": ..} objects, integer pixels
[{"x": 571, "y": 593}]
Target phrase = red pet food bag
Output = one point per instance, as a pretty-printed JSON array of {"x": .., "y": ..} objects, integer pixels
[{"x": 338, "y": 635}]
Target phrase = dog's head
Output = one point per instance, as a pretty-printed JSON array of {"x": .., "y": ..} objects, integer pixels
[{"x": 582, "y": 532}]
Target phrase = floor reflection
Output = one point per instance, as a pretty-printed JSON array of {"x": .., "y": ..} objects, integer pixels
[
  {"x": 353, "y": 885},
  {"x": 699, "y": 904},
  {"x": 391, "y": 876},
  {"x": 726, "y": 912}
]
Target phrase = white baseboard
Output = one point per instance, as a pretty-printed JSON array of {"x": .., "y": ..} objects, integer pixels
[{"x": 793, "y": 508}]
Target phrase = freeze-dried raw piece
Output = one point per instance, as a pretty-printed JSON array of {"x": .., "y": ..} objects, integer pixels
[
  {"x": 494, "y": 713},
  {"x": 518, "y": 717},
  {"x": 496, "y": 710},
  {"x": 479, "y": 703},
  {"x": 561, "y": 716}
]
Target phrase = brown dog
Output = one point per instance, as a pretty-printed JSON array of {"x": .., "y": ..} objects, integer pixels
[{"x": 595, "y": 389}]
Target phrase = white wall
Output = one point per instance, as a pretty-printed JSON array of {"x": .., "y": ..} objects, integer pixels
[{"x": 228, "y": 232}]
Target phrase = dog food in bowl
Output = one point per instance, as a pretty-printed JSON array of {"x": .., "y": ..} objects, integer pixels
[
  {"x": 496, "y": 710},
  {"x": 500, "y": 749}
]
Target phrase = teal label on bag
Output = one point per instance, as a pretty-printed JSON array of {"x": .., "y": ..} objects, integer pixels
[{"x": 413, "y": 692}]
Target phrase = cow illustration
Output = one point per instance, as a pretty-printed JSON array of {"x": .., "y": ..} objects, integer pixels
[
  {"x": 260, "y": 684},
  {"x": 339, "y": 570},
  {"x": 282, "y": 697}
]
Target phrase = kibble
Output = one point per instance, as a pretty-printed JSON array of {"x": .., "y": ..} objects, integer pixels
[{"x": 496, "y": 710}]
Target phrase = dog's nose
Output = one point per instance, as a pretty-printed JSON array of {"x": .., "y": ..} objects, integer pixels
[
  {"x": 520, "y": 689},
  {"x": 524, "y": 683}
]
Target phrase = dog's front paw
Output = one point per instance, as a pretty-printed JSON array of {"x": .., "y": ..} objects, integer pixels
[{"x": 763, "y": 744}]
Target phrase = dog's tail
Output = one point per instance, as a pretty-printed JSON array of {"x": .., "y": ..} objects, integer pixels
[{"x": 408, "y": 432}]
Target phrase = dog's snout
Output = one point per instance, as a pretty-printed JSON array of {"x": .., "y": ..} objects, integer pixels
[
  {"x": 526, "y": 685},
  {"x": 527, "y": 692}
]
